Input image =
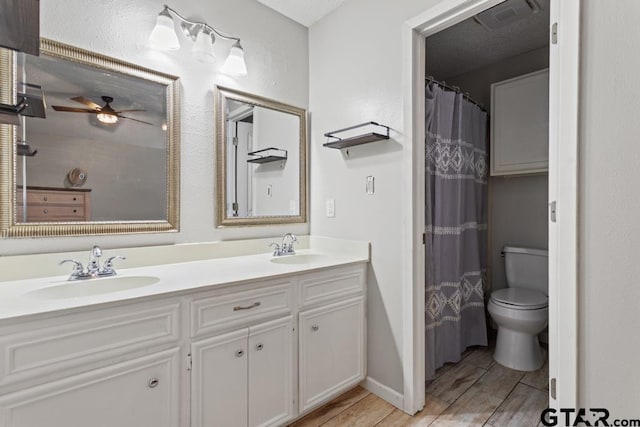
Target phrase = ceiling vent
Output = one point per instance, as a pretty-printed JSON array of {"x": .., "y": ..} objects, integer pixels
[{"x": 507, "y": 13}]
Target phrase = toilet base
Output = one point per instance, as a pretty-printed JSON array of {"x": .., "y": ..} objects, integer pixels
[{"x": 517, "y": 350}]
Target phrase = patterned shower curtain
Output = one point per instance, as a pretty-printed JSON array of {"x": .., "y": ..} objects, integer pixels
[{"x": 456, "y": 226}]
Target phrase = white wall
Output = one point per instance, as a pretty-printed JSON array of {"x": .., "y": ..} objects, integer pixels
[
  {"x": 517, "y": 204},
  {"x": 276, "y": 52},
  {"x": 609, "y": 208},
  {"x": 356, "y": 76}
]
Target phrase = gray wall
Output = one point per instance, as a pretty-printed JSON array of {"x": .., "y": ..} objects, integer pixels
[{"x": 518, "y": 204}]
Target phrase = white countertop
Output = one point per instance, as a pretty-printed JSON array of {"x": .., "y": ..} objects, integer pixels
[{"x": 21, "y": 297}]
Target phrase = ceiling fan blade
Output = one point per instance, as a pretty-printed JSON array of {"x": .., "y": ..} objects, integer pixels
[
  {"x": 128, "y": 111},
  {"x": 135, "y": 120},
  {"x": 87, "y": 102},
  {"x": 72, "y": 109}
]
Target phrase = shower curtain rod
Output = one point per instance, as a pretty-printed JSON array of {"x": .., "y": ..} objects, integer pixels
[{"x": 456, "y": 89}]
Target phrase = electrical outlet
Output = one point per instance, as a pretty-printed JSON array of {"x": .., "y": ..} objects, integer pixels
[{"x": 331, "y": 208}]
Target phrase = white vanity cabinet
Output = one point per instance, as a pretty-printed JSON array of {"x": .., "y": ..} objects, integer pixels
[
  {"x": 107, "y": 367},
  {"x": 243, "y": 355},
  {"x": 251, "y": 353},
  {"x": 331, "y": 335},
  {"x": 139, "y": 392},
  {"x": 520, "y": 124},
  {"x": 244, "y": 378}
]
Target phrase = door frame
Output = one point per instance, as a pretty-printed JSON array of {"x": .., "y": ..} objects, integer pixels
[{"x": 563, "y": 236}]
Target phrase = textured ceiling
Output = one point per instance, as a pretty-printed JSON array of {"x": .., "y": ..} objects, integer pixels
[
  {"x": 468, "y": 45},
  {"x": 306, "y": 12}
]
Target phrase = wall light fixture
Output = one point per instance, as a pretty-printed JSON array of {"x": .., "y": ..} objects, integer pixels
[{"x": 164, "y": 37}]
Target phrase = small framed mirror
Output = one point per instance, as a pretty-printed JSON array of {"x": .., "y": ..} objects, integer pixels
[
  {"x": 95, "y": 152},
  {"x": 261, "y": 161}
]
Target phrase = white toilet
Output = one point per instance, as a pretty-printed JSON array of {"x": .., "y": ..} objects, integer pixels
[{"x": 521, "y": 310}]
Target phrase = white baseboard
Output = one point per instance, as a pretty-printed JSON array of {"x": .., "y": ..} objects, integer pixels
[{"x": 383, "y": 392}]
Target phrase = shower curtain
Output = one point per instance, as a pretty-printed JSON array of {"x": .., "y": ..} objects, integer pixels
[{"x": 456, "y": 226}]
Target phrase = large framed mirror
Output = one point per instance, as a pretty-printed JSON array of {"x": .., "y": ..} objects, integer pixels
[
  {"x": 98, "y": 149},
  {"x": 261, "y": 160}
]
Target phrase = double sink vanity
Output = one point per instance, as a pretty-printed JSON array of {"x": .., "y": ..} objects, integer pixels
[
  {"x": 206, "y": 334},
  {"x": 250, "y": 339}
]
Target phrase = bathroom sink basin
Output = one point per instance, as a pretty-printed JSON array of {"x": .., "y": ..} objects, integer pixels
[
  {"x": 298, "y": 259},
  {"x": 90, "y": 287}
]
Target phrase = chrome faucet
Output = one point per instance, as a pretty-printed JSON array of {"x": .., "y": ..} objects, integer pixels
[
  {"x": 285, "y": 248},
  {"x": 93, "y": 267}
]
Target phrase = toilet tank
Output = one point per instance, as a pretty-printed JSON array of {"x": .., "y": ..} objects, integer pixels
[{"x": 527, "y": 268}]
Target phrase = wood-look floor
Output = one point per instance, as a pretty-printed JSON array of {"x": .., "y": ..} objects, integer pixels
[{"x": 473, "y": 392}]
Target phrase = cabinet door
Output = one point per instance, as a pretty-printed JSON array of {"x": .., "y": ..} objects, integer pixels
[
  {"x": 219, "y": 381},
  {"x": 520, "y": 124},
  {"x": 143, "y": 392},
  {"x": 271, "y": 373},
  {"x": 331, "y": 350}
]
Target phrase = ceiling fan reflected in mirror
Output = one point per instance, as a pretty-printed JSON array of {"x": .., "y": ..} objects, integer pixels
[{"x": 104, "y": 114}]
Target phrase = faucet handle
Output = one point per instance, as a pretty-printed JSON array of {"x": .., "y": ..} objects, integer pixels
[
  {"x": 276, "y": 251},
  {"x": 107, "y": 268},
  {"x": 78, "y": 269}
]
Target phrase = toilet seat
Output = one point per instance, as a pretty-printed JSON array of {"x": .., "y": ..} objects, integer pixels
[{"x": 520, "y": 299}]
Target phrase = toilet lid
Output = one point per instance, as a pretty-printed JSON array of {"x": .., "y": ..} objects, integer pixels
[{"x": 524, "y": 298}]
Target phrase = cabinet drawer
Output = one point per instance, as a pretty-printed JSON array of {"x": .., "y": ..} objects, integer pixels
[
  {"x": 83, "y": 340},
  {"x": 37, "y": 213},
  {"x": 239, "y": 309},
  {"x": 48, "y": 197},
  {"x": 333, "y": 285}
]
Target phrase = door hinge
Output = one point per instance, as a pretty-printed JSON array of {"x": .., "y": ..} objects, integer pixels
[
  {"x": 189, "y": 362},
  {"x": 554, "y": 33},
  {"x": 235, "y": 141},
  {"x": 552, "y": 211},
  {"x": 552, "y": 388},
  {"x": 424, "y": 238}
]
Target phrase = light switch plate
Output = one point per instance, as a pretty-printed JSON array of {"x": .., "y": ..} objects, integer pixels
[
  {"x": 331, "y": 208},
  {"x": 370, "y": 187}
]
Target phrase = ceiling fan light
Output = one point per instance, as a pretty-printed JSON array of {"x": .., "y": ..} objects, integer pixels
[
  {"x": 107, "y": 118},
  {"x": 203, "y": 47},
  {"x": 163, "y": 36},
  {"x": 235, "y": 65}
]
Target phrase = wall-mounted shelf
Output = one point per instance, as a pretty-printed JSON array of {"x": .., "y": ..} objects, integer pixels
[
  {"x": 268, "y": 155},
  {"x": 358, "y": 139},
  {"x": 25, "y": 150}
]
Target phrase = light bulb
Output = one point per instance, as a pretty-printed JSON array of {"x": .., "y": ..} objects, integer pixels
[
  {"x": 164, "y": 36},
  {"x": 235, "y": 65},
  {"x": 107, "y": 118}
]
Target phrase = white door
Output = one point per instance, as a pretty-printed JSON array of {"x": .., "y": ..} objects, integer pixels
[
  {"x": 331, "y": 350},
  {"x": 271, "y": 372},
  {"x": 143, "y": 392},
  {"x": 219, "y": 381}
]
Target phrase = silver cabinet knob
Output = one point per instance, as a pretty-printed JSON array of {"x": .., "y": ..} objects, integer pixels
[
  {"x": 315, "y": 328},
  {"x": 239, "y": 353},
  {"x": 153, "y": 383},
  {"x": 259, "y": 346}
]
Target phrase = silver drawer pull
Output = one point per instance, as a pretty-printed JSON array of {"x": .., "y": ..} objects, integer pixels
[
  {"x": 153, "y": 382},
  {"x": 239, "y": 353},
  {"x": 249, "y": 307},
  {"x": 315, "y": 328},
  {"x": 259, "y": 347}
]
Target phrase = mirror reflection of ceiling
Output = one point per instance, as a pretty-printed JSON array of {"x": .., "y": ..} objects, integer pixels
[
  {"x": 62, "y": 80},
  {"x": 468, "y": 46}
]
